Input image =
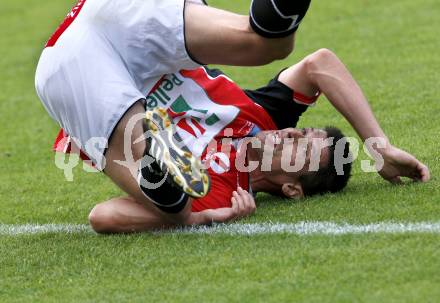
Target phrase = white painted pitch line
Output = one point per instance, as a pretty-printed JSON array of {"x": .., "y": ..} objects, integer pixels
[
  {"x": 314, "y": 228},
  {"x": 299, "y": 228},
  {"x": 30, "y": 229}
]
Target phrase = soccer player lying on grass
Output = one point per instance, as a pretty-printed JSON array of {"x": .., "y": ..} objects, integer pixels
[
  {"x": 106, "y": 56},
  {"x": 208, "y": 107}
]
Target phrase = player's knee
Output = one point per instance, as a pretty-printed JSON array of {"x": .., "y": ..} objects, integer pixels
[
  {"x": 318, "y": 60},
  {"x": 321, "y": 56},
  {"x": 324, "y": 54},
  {"x": 101, "y": 219}
]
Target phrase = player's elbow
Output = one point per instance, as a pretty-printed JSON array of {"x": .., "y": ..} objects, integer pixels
[{"x": 102, "y": 220}]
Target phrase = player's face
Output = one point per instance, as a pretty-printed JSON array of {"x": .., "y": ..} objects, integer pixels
[{"x": 295, "y": 147}]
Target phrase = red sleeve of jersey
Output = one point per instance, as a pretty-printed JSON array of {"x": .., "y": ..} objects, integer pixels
[
  {"x": 222, "y": 186},
  {"x": 219, "y": 195}
]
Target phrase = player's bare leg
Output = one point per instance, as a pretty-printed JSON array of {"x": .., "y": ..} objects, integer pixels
[
  {"x": 215, "y": 36},
  {"x": 122, "y": 165},
  {"x": 126, "y": 215}
]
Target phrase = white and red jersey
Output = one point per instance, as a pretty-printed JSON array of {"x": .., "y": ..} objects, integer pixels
[{"x": 208, "y": 110}]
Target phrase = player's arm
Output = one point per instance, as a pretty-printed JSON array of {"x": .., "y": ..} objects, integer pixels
[
  {"x": 323, "y": 71},
  {"x": 243, "y": 205}
]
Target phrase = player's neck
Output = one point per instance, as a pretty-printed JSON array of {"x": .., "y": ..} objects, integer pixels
[
  {"x": 258, "y": 179},
  {"x": 260, "y": 182}
]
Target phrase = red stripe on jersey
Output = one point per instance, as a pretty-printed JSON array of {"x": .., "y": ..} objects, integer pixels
[
  {"x": 66, "y": 23},
  {"x": 183, "y": 124},
  {"x": 156, "y": 86},
  {"x": 303, "y": 99},
  {"x": 173, "y": 114},
  {"x": 197, "y": 124}
]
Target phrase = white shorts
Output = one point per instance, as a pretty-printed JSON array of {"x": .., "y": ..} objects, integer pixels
[{"x": 110, "y": 56}]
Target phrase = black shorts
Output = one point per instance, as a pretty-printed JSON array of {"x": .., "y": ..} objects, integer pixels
[{"x": 278, "y": 100}]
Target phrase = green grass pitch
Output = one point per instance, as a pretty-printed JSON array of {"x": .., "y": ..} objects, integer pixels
[{"x": 392, "y": 48}]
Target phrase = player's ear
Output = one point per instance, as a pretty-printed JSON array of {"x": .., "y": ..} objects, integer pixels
[{"x": 292, "y": 190}]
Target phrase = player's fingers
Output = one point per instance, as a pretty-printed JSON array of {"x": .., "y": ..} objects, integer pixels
[
  {"x": 242, "y": 193},
  {"x": 234, "y": 208},
  {"x": 246, "y": 201},
  {"x": 424, "y": 174},
  {"x": 249, "y": 202},
  {"x": 235, "y": 204},
  {"x": 240, "y": 203},
  {"x": 250, "y": 206}
]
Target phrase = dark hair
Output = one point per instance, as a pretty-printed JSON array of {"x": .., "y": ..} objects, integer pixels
[{"x": 327, "y": 179}]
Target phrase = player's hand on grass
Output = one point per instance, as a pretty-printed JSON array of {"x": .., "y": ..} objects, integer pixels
[
  {"x": 243, "y": 205},
  {"x": 398, "y": 163}
]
